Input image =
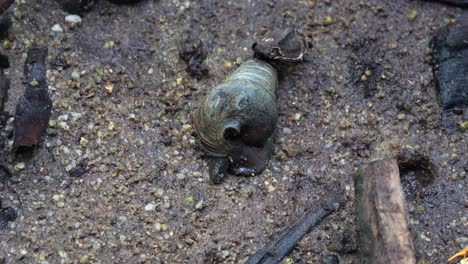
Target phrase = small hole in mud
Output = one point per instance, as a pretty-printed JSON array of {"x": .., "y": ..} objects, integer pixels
[{"x": 416, "y": 174}]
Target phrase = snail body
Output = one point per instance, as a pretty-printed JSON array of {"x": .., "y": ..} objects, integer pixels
[{"x": 237, "y": 118}]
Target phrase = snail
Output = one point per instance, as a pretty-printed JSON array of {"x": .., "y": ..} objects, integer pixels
[
  {"x": 236, "y": 121},
  {"x": 281, "y": 45}
]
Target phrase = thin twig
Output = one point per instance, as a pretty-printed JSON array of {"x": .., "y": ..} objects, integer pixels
[{"x": 279, "y": 248}]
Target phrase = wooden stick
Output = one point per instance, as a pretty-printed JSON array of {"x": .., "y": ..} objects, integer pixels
[
  {"x": 382, "y": 218},
  {"x": 279, "y": 248}
]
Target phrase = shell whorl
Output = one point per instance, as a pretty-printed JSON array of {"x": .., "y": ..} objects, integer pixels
[{"x": 247, "y": 97}]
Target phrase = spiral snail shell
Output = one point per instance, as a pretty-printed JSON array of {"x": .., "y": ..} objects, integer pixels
[{"x": 237, "y": 118}]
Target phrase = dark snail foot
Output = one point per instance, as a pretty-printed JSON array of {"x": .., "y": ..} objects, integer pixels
[
  {"x": 244, "y": 161},
  {"x": 250, "y": 161},
  {"x": 217, "y": 169}
]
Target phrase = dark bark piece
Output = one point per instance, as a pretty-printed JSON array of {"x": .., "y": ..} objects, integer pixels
[
  {"x": 382, "y": 218},
  {"x": 34, "y": 107},
  {"x": 450, "y": 63},
  {"x": 282, "y": 246},
  {"x": 32, "y": 116},
  {"x": 35, "y": 68},
  {"x": 5, "y": 4}
]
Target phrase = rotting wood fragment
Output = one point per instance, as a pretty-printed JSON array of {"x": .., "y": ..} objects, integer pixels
[{"x": 382, "y": 218}]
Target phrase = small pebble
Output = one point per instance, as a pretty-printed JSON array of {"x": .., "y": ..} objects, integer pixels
[
  {"x": 111, "y": 126},
  {"x": 83, "y": 142},
  {"x": 73, "y": 20},
  {"x": 327, "y": 21},
  {"x": 199, "y": 205},
  {"x": 464, "y": 126},
  {"x": 150, "y": 207},
  {"x": 424, "y": 237},
  {"x": 109, "y": 88},
  {"x": 227, "y": 64},
  {"x": 401, "y": 117},
  {"x": 295, "y": 117},
  {"x": 20, "y": 166},
  {"x": 412, "y": 14},
  {"x": 287, "y": 131},
  {"x": 75, "y": 75},
  {"x": 166, "y": 203},
  {"x": 57, "y": 28}
]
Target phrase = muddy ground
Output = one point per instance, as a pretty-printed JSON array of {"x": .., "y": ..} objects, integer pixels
[{"x": 367, "y": 92}]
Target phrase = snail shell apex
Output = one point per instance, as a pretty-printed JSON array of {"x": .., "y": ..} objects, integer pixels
[{"x": 241, "y": 110}]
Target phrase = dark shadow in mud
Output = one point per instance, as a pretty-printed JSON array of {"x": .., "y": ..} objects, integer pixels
[
  {"x": 7, "y": 214},
  {"x": 417, "y": 173},
  {"x": 365, "y": 67},
  {"x": 5, "y": 174},
  {"x": 24, "y": 153}
]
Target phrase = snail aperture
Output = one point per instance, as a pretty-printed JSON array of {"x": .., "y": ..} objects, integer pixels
[{"x": 240, "y": 115}]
